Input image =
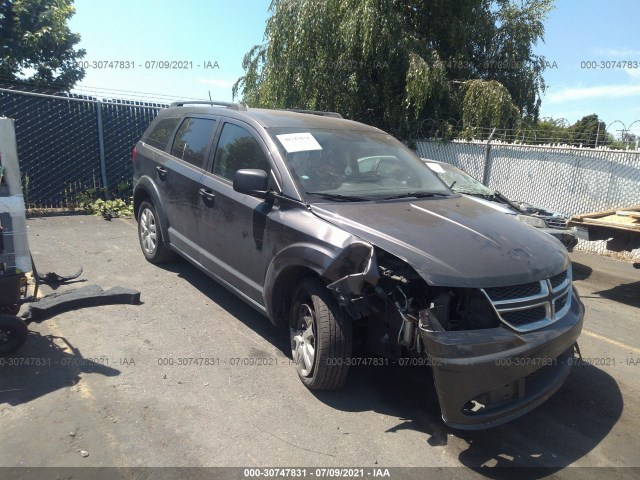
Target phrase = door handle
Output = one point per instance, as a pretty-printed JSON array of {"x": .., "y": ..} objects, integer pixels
[
  {"x": 207, "y": 194},
  {"x": 162, "y": 172}
]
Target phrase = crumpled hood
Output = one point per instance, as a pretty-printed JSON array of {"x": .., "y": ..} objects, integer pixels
[{"x": 455, "y": 242}]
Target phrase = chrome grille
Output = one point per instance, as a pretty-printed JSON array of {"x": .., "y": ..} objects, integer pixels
[
  {"x": 556, "y": 280},
  {"x": 534, "y": 305},
  {"x": 556, "y": 222},
  {"x": 515, "y": 291},
  {"x": 561, "y": 302},
  {"x": 526, "y": 316}
]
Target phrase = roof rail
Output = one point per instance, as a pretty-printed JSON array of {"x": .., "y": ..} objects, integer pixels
[
  {"x": 229, "y": 105},
  {"x": 314, "y": 112}
]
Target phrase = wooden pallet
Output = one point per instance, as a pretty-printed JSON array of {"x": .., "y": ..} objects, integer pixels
[{"x": 622, "y": 218}]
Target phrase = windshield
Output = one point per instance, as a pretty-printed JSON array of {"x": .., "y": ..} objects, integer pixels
[
  {"x": 348, "y": 165},
  {"x": 457, "y": 180}
]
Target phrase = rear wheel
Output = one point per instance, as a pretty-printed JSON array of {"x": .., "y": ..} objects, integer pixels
[
  {"x": 150, "y": 235},
  {"x": 11, "y": 309},
  {"x": 13, "y": 334},
  {"x": 320, "y": 334}
]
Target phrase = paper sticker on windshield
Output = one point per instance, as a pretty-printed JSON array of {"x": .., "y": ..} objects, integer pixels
[
  {"x": 435, "y": 167},
  {"x": 299, "y": 142}
]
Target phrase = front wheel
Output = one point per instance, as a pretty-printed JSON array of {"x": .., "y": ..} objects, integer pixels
[
  {"x": 13, "y": 334},
  {"x": 320, "y": 334}
]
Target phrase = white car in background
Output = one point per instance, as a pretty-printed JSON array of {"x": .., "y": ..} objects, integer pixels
[{"x": 460, "y": 182}]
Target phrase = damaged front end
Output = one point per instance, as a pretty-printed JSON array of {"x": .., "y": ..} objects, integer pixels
[
  {"x": 496, "y": 353},
  {"x": 489, "y": 376}
]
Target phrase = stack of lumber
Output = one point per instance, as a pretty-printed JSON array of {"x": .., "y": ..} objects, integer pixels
[{"x": 623, "y": 218}]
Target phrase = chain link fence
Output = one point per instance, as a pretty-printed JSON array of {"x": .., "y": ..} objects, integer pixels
[
  {"x": 547, "y": 131},
  {"x": 569, "y": 180},
  {"x": 69, "y": 145}
]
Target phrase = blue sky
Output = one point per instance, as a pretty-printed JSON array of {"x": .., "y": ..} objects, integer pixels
[
  {"x": 201, "y": 31},
  {"x": 143, "y": 31}
]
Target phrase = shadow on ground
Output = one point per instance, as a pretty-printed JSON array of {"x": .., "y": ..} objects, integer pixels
[
  {"x": 253, "y": 319},
  {"x": 558, "y": 433},
  {"x": 580, "y": 271},
  {"x": 555, "y": 435},
  {"x": 43, "y": 365},
  {"x": 627, "y": 293}
]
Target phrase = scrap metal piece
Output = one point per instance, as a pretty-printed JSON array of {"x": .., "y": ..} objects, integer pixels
[
  {"x": 89, "y": 296},
  {"x": 52, "y": 277}
]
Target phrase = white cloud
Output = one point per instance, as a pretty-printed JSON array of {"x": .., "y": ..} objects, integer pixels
[
  {"x": 632, "y": 72},
  {"x": 570, "y": 116},
  {"x": 588, "y": 93},
  {"x": 216, "y": 82},
  {"x": 617, "y": 52}
]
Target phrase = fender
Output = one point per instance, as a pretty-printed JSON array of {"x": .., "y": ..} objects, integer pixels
[
  {"x": 146, "y": 185},
  {"x": 331, "y": 264}
]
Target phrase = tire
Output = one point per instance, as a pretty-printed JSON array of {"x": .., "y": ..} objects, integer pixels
[
  {"x": 150, "y": 235},
  {"x": 13, "y": 334},
  {"x": 320, "y": 334}
]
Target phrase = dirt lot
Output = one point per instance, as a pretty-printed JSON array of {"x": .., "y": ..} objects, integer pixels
[{"x": 110, "y": 384}]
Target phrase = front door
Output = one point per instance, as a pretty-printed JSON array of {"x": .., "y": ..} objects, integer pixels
[{"x": 233, "y": 226}]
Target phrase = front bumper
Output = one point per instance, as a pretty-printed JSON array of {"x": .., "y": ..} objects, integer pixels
[
  {"x": 488, "y": 377},
  {"x": 569, "y": 237}
]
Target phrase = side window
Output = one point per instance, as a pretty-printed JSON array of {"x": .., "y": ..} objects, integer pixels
[
  {"x": 159, "y": 136},
  {"x": 238, "y": 149},
  {"x": 389, "y": 165},
  {"x": 366, "y": 164},
  {"x": 192, "y": 139}
]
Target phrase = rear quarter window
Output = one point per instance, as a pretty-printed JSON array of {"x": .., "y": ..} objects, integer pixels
[{"x": 161, "y": 133}]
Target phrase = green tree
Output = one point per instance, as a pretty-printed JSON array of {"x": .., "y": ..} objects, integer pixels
[
  {"x": 549, "y": 131},
  {"x": 487, "y": 105},
  {"x": 508, "y": 54},
  {"x": 37, "y": 47},
  {"x": 588, "y": 131},
  {"x": 393, "y": 63}
]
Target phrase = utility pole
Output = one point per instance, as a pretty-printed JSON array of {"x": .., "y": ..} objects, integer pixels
[{"x": 623, "y": 136}]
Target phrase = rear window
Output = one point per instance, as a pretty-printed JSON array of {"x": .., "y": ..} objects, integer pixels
[
  {"x": 192, "y": 140},
  {"x": 161, "y": 133}
]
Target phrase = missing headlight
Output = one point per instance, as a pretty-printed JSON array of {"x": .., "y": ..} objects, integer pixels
[
  {"x": 456, "y": 308},
  {"x": 464, "y": 309}
]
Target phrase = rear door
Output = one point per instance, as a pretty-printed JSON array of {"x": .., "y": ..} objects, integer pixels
[
  {"x": 155, "y": 143},
  {"x": 179, "y": 172},
  {"x": 233, "y": 226}
]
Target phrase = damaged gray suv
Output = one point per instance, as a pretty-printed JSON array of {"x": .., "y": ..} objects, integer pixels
[{"x": 288, "y": 210}]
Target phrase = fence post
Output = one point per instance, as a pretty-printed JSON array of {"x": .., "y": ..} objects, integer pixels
[
  {"x": 487, "y": 167},
  {"x": 103, "y": 163}
]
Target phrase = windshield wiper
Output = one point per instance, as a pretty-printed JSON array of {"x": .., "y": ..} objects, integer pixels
[
  {"x": 339, "y": 196},
  {"x": 500, "y": 196},
  {"x": 416, "y": 195},
  {"x": 494, "y": 197},
  {"x": 488, "y": 196}
]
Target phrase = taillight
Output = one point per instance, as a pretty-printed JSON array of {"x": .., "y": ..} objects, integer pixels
[{"x": 133, "y": 154}]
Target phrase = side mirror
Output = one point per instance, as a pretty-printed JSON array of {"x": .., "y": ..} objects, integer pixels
[{"x": 251, "y": 182}]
